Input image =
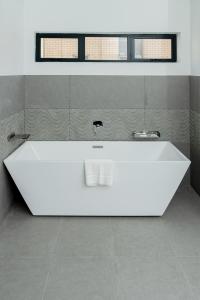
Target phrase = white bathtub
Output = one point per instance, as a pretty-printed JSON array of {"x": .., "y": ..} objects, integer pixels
[{"x": 50, "y": 177}]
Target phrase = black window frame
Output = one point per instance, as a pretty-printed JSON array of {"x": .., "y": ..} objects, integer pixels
[
  {"x": 81, "y": 46},
  {"x": 172, "y": 37}
]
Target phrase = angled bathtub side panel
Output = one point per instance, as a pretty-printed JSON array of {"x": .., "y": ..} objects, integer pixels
[{"x": 58, "y": 188}]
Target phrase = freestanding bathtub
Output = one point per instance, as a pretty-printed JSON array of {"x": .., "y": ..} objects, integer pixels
[{"x": 50, "y": 177}]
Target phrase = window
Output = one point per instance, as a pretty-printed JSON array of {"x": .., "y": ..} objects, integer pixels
[
  {"x": 154, "y": 48},
  {"x": 106, "y": 47},
  {"x": 59, "y": 48}
]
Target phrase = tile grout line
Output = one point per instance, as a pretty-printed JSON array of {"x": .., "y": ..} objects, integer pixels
[
  {"x": 69, "y": 107},
  {"x": 185, "y": 276},
  {"x": 24, "y": 120},
  {"x": 145, "y": 104},
  {"x": 53, "y": 253},
  {"x": 111, "y": 109},
  {"x": 24, "y": 102},
  {"x": 57, "y": 237},
  {"x": 45, "y": 285}
]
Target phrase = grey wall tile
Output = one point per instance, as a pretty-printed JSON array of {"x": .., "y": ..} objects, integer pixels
[
  {"x": 195, "y": 131},
  {"x": 6, "y": 191},
  {"x": 195, "y": 166},
  {"x": 167, "y": 92},
  {"x": 195, "y": 149},
  {"x": 194, "y": 127},
  {"x": 47, "y": 124},
  {"x": 195, "y": 93},
  {"x": 12, "y": 95},
  {"x": 185, "y": 149},
  {"x": 118, "y": 124},
  {"x": 107, "y": 92},
  {"x": 13, "y": 123},
  {"x": 173, "y": 124},
  {"x": 47, "y": 92},
  {"x": 12, "y": 100}
]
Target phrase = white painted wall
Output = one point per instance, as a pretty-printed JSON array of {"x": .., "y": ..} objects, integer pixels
[
  {"x": 95, "y": 16},
  {"x": 11, "y": 33},
  {"x": 108, "y": 16},
  {"x": 195, "y": 18}
]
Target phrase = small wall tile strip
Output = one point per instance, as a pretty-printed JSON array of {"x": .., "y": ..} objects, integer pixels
[{"x": 76, "y": 124}]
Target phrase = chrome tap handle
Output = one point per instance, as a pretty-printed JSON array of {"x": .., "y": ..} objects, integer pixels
[{"x": 14, "y": 136}]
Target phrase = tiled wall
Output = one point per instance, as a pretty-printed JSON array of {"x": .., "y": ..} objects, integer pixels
[
  {"x": 63, "y": 107},
  {"x": 11, "y": 119},
  {"x": 195, "y": 131}
]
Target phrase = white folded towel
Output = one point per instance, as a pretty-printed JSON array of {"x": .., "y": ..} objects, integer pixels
[{"x": 99, "y": 172}]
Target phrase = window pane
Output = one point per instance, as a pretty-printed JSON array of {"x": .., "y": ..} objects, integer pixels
[
  {"x": 105, "y": 48},
  {"x": 153, "y": 49},
  {"x": 59, "y": 48}
]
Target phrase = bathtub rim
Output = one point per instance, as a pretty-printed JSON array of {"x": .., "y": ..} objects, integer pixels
[{"x": 12, "y": 157}]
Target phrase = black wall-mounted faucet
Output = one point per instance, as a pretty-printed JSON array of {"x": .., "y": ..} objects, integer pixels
[{"x": 96, "y": 125}]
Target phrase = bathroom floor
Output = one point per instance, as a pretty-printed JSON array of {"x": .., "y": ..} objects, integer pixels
[{"x": 70, "y": 258}]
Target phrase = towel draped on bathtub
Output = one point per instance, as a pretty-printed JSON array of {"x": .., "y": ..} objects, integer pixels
[{"x": 99, "y": 172}]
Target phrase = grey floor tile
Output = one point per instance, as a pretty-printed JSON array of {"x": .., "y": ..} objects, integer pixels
[
  {"x": 182, "y": 221},
  {"x": 185, "y": 206},
  {"x": 151, "y": 279},
  {"x": 85, "y": 237},
  {"x": 23, "y": 235},
  {"x": 81, "y": 279},
  {"x": 22, "y": 279},
  {"x": 103, "y": 258},
  {"x": 141, "y": 237},
  {"x": 191, "y": 269},
  {"x": 184, "y": 238}
]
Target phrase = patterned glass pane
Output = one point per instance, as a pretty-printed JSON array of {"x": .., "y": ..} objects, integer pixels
[
  {"x": 153, "y": 49},
  {"x": 59, "y": 48},
  {"x": 105, "y": 48}
]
